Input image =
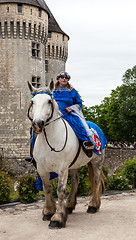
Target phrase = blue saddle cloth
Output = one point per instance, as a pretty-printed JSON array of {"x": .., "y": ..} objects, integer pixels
[{"x": 81, "y": 135}]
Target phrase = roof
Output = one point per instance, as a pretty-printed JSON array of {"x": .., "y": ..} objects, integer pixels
[
  {"x": 53, "y": 26},
  {"x": 37, "y": 3}
]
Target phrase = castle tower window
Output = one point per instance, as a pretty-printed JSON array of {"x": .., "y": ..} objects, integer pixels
[
  {"x": 7, "y": 9},
  {"x": 57, "y": 51},
  {"x": 24, "y": 29},
  {"x": 49, "y": 34},
  {"x": 35, "y": 50},
  {"x": 18, "y": 28},
  {"x": 19, "y": 7},
  {"x": 0, "y": 30},
  {"x": 48, "y": 50},
  {"x": 53, "y": 51},
  {"x": 36, "y": 82},
  {"x": 29, "y": 31},
  {"x": 39, "y": 13},
  {"x": 60, "y": 51},
  {"x": 46, "y": 65},
  {"x": 5, "y": 29},
  {"x": 12, "y": 28}
]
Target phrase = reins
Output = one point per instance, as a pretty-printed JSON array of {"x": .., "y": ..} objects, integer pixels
[
  {"x": 47, "y": 123},
  {"x": 53, "y": 149}
]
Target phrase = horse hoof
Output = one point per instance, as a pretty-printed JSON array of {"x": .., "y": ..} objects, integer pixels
[
  {"x": 91, "y": 210},
  {"x": 69, "y": 210},
  {"x": 47, "y": 217},
  {"x": 55, "y": 224}
]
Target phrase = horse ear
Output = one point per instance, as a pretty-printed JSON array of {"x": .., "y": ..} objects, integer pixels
[
  {"x": 31, "y": 88},
  {"x": 51, "y": 86}
]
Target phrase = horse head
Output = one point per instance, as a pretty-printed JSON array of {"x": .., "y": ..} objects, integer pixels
[{"x": 42, "y": 105}]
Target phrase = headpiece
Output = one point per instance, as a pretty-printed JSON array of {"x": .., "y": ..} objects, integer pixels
[{"x": 63, "y": 74}]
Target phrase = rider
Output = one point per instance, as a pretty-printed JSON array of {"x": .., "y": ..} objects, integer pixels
[
  {"x": 69, "y": 102},
  {"x": 68, "y": 99}
]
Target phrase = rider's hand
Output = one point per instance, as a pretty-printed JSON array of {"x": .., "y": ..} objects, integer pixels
[{"x": 68, "y": 109}]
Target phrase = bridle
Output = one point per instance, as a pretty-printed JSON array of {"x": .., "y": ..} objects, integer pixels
[{"x": 49, "y": 122}]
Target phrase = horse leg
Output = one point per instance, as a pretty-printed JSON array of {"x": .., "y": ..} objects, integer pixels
[
  {"x": 49, "y": 205},
  {"x": 59, "y": 218},
  {"x": 71, "y": 200},
  {"x": 95, "y": 170}
]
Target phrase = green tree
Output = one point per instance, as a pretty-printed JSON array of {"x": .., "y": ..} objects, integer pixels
[{"x": 116, "y": 115}]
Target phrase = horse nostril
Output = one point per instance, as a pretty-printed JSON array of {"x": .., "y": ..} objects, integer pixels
[{"x": 40, "y": 124}]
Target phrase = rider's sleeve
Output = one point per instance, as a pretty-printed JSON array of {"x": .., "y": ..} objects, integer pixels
[{"x": 76, "y": 98}]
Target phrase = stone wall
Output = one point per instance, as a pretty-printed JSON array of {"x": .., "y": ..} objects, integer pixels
[
  {"x": 115, "y": 157},
  {"x": 22, "y": 58}
]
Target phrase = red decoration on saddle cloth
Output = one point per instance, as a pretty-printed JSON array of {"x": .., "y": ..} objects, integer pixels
[{"x": 97, "y": 143}]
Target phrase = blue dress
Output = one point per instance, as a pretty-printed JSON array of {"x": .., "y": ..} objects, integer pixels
[{"x": 67, "y": 98}]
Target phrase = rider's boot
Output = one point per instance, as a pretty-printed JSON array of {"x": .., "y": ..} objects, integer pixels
[{"x": 88, "y": 148}]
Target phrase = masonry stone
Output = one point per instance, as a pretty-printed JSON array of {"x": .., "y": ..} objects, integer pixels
[{"x": 24, "y": 47}]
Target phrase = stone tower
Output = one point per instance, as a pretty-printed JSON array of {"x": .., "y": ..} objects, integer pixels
[
  {"x": 27, "y": 28},
  {"x": 56, "y": 51}
]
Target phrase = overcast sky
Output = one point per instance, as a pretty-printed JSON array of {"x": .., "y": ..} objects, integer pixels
[{"x": 102, "y": 43}]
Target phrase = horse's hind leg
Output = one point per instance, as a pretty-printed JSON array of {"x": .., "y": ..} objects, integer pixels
[
  {"x": 49, "y": 205},
  {"x": 71, "y": 200},
  {"x": 59, "y": 218},
  {"x": 95, "y": 171}
]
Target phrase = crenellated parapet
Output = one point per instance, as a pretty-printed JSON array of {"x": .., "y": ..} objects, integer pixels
[
  {"x": 25, "y": 25},
  {"x": 23, "y": 29},
  {"x": 57, "y": 47}
]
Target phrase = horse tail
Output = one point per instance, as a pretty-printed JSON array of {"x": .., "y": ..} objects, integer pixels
[{"x": 91, "y": 179}]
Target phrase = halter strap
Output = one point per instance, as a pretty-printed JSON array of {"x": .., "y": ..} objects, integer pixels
[
  {"x": 42, "y": 92},
  {"x": 31, "y": 103}
]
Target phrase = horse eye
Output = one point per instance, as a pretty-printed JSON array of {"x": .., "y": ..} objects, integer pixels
[{"x": 50, "y": 101}]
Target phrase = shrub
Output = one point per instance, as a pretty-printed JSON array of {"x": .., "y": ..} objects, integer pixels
[
  {"x": 129, "y": 171},
  {"x": 118, "y": 182},
  {"x": 27, "y": 190},
  {"x": 4, "y": 189},
  {"x": 84, "y": 185}
]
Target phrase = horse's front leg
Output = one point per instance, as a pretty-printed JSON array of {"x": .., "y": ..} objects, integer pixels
[
  {"x": 49, "y": 205},
  {"x": 59, "y": 218}
]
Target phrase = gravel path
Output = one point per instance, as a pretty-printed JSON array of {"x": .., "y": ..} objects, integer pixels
[{"x": 116, "y": 220}]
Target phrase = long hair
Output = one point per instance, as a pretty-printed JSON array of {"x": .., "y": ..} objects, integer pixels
[{"x": 68, "y": 86}]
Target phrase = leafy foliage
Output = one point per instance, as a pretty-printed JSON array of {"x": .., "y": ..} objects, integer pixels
[
  {"x": 4, "y": 189},
  {"x": 27, "y": 190},
  {"x": 124, "y": 179},
  {"x": 118, "y": 182},
  {"x": 129, "y": 171},
  {"x": 116, "y": 114}
]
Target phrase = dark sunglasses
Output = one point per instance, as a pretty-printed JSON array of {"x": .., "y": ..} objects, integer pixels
[{"x": 64, "y": 77}]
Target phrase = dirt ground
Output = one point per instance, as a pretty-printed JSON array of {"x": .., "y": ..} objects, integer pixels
[{"x": 116, "y": 220}]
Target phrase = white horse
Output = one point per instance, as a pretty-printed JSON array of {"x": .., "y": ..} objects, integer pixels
[{"x": 57, "y": 150}]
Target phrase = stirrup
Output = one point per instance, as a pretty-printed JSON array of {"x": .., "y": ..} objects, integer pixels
[
  {"x": 88, "y": 148},
  {"x": 30, "y": 159},
  {"x": 88, "y": 145}
]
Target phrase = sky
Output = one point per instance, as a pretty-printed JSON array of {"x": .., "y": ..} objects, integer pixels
[{"x": 102, "y": 43}]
